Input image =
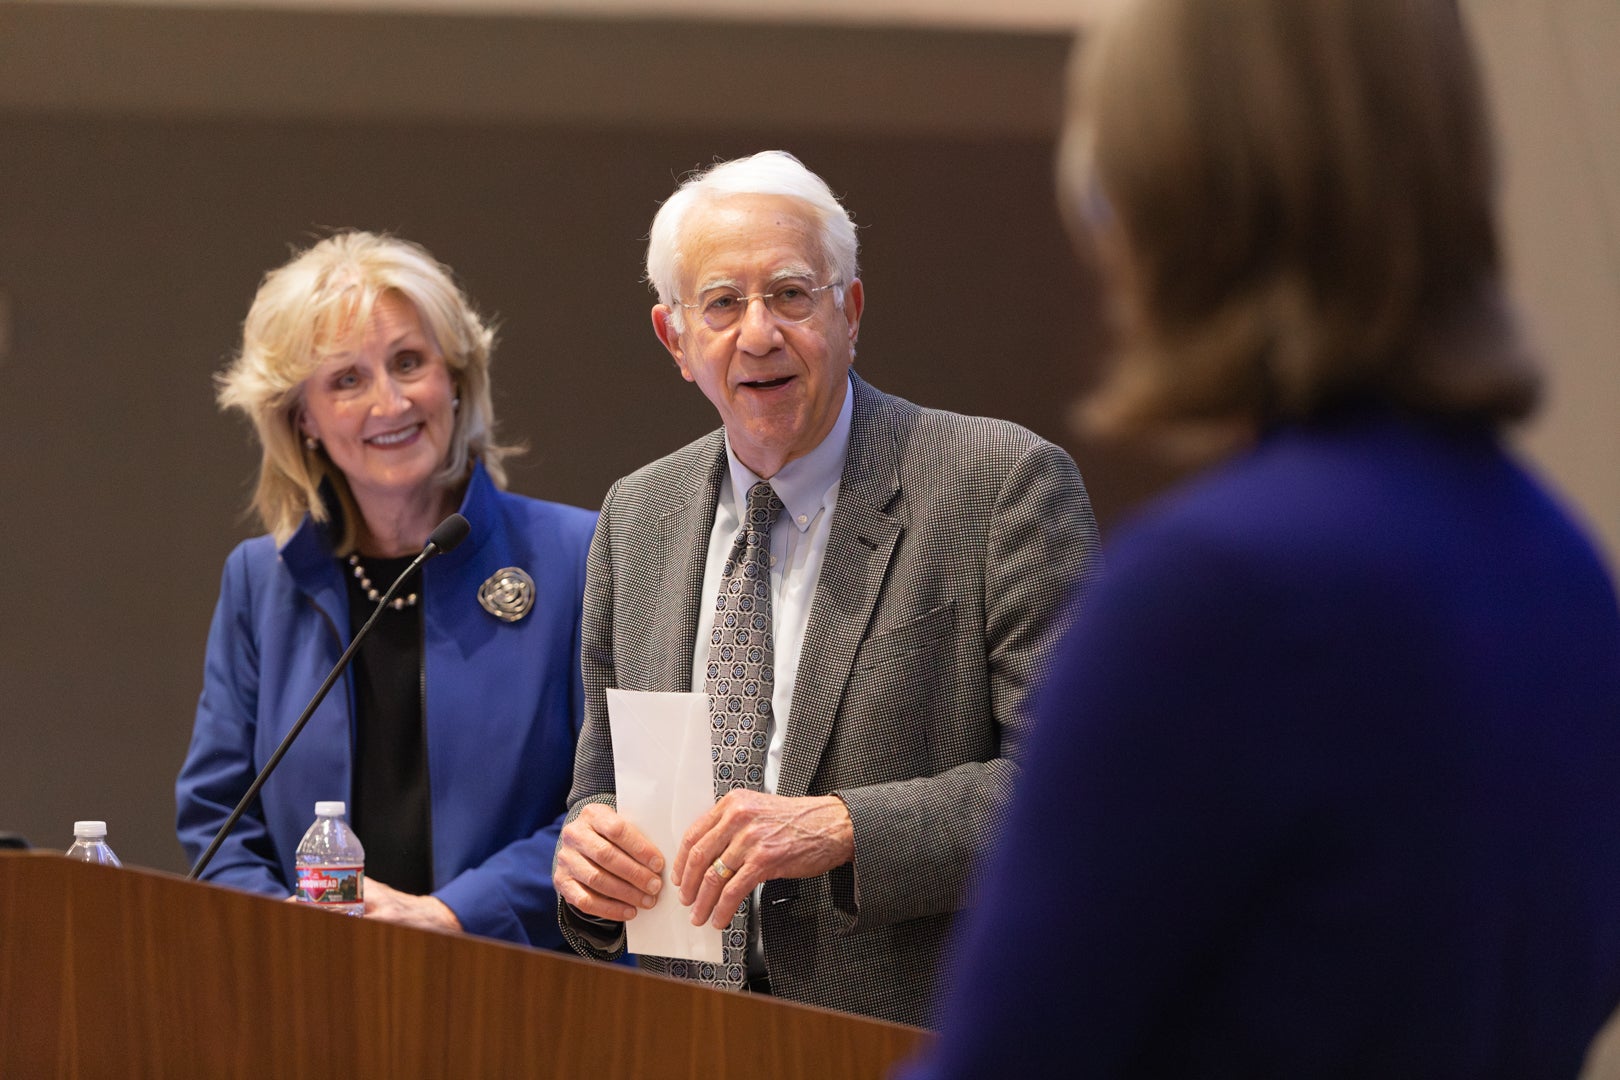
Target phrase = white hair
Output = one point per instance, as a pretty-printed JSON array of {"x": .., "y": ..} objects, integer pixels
[{"x": 770, "y": 172}]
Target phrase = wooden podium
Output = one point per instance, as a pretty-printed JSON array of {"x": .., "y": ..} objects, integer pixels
[{"x": 111, "y": 973}]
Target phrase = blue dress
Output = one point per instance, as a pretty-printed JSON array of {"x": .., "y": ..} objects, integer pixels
[
  {"x": 1325, "y": 782},
  {"x": 502, "y": 709}
]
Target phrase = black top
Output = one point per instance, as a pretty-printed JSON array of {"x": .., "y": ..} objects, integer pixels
[{"x": 389, "y": 807}]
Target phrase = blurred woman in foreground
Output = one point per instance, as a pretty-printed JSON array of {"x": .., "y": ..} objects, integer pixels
[
  {"x": 1327, "y": 778},
  {"x": 366, "y": 374}
]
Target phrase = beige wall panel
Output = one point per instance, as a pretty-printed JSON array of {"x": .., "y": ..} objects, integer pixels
[{"x": 1553, "y": 69}]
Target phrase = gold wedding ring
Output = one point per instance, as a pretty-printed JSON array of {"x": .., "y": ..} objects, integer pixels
[{"x": 721, "y": 870}]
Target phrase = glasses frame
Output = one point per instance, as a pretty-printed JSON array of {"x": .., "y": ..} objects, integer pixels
[{"x": 764, "y": 298}]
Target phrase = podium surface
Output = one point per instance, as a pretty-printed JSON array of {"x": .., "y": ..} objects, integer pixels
[{"x": 108, "y": 972}]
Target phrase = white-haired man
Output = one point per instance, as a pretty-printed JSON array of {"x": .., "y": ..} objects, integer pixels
[{"x": 885, "y": 603}]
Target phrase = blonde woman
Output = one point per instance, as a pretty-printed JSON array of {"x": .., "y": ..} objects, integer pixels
[{"x": 365, "y": 372}]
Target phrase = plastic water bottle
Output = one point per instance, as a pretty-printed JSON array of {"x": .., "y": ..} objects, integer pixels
[
  {"x": 331, "y": 863},
  {"x": 90, "y": 844}
]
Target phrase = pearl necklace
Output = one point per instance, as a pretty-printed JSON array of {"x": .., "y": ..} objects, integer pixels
[{"x": 398, "y": 603}]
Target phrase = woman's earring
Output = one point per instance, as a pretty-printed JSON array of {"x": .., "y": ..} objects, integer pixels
[
  {"x": 455, "y": 402},
  {"x": 311, "y": 444}
]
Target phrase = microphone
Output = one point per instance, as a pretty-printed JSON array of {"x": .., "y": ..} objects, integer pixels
[{"x": 450, "y": 532}]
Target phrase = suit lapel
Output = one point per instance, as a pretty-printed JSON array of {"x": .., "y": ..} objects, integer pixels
[
  {"x": 682, "y": 544},
  {"x": 864, "y": 532}
]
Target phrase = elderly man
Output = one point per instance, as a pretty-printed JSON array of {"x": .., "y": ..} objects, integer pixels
[{"x": 890, "y": 582}]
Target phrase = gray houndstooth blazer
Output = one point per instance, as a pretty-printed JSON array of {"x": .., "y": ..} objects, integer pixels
[{"x": 954, "y": 546}]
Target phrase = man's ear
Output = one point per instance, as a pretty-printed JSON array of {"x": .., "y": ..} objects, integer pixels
[
  {"x": 662, "y": 315},
  {"x": 854, "y": 304}
]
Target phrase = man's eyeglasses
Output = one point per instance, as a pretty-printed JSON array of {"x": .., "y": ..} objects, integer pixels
[{"x": 792, "y": 302}]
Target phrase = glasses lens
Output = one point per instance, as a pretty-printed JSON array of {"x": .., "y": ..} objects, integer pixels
[
  {"x": 793, "y": 303},
  {"x": 722, "y": 308}
]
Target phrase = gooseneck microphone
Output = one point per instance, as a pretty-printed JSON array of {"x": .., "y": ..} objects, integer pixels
[{"x": 451, "y": 531}]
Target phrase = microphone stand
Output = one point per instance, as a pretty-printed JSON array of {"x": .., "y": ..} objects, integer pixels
[{"x": 435, "y": 546}]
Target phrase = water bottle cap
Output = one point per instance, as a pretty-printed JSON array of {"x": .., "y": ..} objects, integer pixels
[
  {"x": 330, "y": 809},
  {"x": 90, "y": 830}
]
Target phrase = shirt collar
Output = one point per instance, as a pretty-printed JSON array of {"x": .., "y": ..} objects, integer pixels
[{"x": 803, "y": 484}]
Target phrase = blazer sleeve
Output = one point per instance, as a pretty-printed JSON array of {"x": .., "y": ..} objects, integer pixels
[
  {"x": 593, "y": 757},
  {"x": 918, "y": 841},
  {"x": 219, "y": 765},
  {"x": 509, "y": 895}
]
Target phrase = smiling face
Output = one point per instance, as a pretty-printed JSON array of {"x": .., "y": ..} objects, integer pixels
[
  {"x": 778, "y": 386},
  {"x": 381, "y": 404}
]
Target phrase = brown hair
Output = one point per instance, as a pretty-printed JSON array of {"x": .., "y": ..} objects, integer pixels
[{"x": 1295, "y": 198}]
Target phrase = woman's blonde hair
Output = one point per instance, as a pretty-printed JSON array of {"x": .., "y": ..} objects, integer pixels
[
  {"x": 1295, "y": 198},
  {"x": 303, "y": 310}
]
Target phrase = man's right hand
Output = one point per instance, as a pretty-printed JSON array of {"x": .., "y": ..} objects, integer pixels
[{"x": 605, "y": 867}]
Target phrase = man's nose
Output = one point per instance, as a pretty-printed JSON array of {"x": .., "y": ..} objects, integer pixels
[{"x": 758, "y": 330}]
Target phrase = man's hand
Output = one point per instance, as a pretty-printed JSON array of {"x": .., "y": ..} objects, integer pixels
[
  {"x": 390, "y": 905},
  {"x": 757, "y": 837},
  {"x": 605, "y": 867}
]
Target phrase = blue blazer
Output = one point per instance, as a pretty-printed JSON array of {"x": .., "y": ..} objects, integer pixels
[{"x": 502, "y": 706}]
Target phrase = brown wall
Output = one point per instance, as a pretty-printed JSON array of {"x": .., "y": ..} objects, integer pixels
[{"x": 130, "y": 246}]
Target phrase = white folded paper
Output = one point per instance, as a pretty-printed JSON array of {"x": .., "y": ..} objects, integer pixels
[{"x": 665, "y": 781}]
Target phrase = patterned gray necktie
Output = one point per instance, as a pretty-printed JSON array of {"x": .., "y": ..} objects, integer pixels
[{"x": 739, "y": 680}]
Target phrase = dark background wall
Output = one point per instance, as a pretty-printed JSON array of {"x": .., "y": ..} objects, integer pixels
[{"x": 135, "y": 225}]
